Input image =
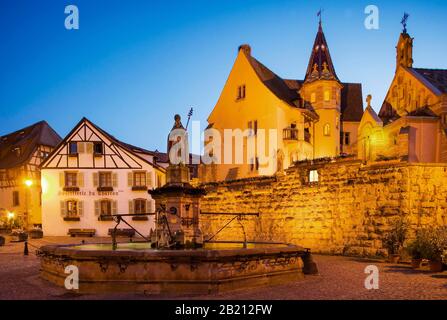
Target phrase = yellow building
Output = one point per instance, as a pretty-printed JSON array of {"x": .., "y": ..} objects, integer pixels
[
  {"x": 412, "y": 123},
  {"x": 316, "y": 117},
  {"x": 21, "y": 154}
]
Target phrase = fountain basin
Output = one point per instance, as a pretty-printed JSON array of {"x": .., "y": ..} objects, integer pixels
[{"x": 137, "y": 268}]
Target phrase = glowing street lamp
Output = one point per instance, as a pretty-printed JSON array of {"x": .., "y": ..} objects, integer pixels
[
  {"x": 11, "y": 215},
  {"x": 28, "y": 182}
]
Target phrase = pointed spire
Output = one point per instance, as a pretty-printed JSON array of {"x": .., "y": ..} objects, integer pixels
[{"x": 320, "y": 63}]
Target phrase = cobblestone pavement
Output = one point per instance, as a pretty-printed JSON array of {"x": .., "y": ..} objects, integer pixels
[{"x": 340, "y": 278}]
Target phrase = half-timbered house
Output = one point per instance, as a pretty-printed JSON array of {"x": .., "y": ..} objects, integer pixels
[
  {"x": 92, "y": 175},
  {"x": 21, "y": 154}
]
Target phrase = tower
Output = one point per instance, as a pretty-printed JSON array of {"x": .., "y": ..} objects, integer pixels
[
  {"x": 404, "y": 49},
  {"x": 322, "y": 89}
]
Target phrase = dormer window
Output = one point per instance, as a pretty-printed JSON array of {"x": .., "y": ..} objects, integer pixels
[
  {"x": 241, "y": 92},
  {"x": 98, "y": 149},
  {"x": 17, "y": 151}
]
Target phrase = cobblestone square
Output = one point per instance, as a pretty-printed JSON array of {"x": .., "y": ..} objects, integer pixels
[{"x": 340, "y": 278}]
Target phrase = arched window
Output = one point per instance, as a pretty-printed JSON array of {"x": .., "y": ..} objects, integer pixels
[
  {"x": 327, "y": 129},
  {"x": 327, "y": 95}
]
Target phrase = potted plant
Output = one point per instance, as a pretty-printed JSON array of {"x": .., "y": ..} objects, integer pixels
[
  {"x": 438, "y": 244},
  {"x": 394, "y": 240},
  {"x": 415, "y": 250},
  {"x": 432, "y": 245}
]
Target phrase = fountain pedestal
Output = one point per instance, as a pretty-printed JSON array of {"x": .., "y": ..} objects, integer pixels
[{"x": 178, "y": 208}]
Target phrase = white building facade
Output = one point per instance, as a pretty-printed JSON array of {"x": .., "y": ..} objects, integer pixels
[{"x": 92, "y": 175}]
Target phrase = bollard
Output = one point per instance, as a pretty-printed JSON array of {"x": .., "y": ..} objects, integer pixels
[{"x": 25, "y": 251}]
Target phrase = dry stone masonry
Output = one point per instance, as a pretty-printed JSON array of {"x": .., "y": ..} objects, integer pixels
[{"x": 346, "y": 212}]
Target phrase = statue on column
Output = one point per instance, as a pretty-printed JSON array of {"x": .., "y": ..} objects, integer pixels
[{"x": 178, "y": 152}]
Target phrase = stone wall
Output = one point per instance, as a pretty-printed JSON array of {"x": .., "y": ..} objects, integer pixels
[{"x": 346, "y": 212}]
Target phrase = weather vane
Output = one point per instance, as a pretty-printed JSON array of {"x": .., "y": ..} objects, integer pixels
[
  {"x": 189, "y": 117},
  {"x": 404, "y": 21},
  {"x": 319, "y": 14}
]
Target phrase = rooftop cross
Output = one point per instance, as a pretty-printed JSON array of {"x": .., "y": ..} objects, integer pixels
[{"x": 404, "y": 21}]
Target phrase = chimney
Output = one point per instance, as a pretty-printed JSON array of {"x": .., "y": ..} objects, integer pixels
[{"x": 246, "y": 48}]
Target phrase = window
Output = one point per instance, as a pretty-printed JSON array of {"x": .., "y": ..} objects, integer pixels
[
  {"x": 254, "y": 164},
  {"x": 140, "y": 206},
  {"x": 105, "y": 208},
  {"x": 139, "y": 179},
  {"x": 253, "y": 127},
  {"x": 98, "y": 148},
  {"x": 71, "y": 179},
  {"x": 327, "y": 129},
  {"x": 345, "y": 138},
  {"x": 15, "y": 199},
  {"x": 17, "y": 151},
  {"x": 44, "y": 154},
  {"x": 105, "y": 179},
  {"x": 72, "y": 209},
  {"x": 313, "y": 97},
  {"x": 73, "y": 148},
  {"x": 327, "y": 95},
  {"x": 241, "y": 92},
  {"x": 313, "y": 176}
]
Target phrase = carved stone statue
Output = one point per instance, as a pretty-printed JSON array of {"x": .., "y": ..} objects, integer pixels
[
  {"x": 178, "y": 135},
  {"x": 368, "y": 100}
]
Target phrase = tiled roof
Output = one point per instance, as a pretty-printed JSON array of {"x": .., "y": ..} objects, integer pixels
[
  {"x": 288, "y": 91},
  {"x": 320, "y": 62},
  {"x": 276, "y": 84},
  {"x": 17, "y": 148},
  {"x": 351, "y": 102},
  {"x": 437, "y": 77},
  {"x": 387, "y": 113}
]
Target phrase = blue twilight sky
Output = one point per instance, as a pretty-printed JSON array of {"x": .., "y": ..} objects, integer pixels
[{"x": 133, "y": 64}]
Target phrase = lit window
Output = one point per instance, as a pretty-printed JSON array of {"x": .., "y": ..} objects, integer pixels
[
  {"x": 72, "y": 208},
  {"x": 313, "y": 97},
  {"x": 327, "y": 95},
  {"x": 327, "y": 129},
  {"x": 313, "y": 176}
]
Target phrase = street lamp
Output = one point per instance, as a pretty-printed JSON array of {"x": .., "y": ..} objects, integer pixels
[
  {"x": 28, "y": 182},
  {"x": 11, "y": 215}
]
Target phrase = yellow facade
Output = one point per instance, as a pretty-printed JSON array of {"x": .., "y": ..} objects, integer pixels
[
  {"x": 306, "y": 114},
  {"x": 411, "y": 123},
  {"x": 262, "y": 106}
]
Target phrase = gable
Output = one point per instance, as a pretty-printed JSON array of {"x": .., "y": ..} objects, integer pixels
[
  {"x": 86, "y": 134},
  {"x": 262, "y": 93},
  {"x": 408, "y": 92}
]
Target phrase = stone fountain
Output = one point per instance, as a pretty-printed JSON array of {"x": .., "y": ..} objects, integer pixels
[{"x": 177, "y": 260}]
